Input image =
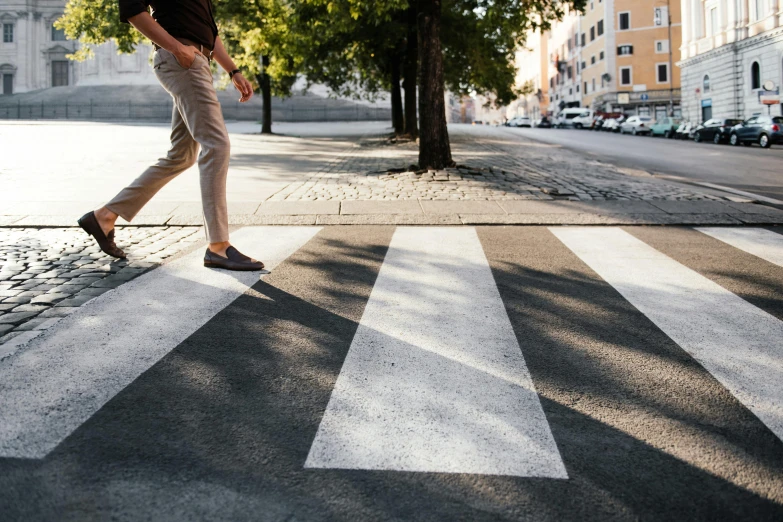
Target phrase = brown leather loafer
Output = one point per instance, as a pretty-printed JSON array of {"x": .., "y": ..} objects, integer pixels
[
  {"x": 90, "y": 225},
  {"x": 235, "y": 260}
]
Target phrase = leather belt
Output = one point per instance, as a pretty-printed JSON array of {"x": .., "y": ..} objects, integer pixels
[{"x": 203, "y": 49}]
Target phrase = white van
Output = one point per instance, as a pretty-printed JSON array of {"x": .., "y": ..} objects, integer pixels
[
  {"x": 584, "y": 120},
  {"x": 576, "y": 117}
]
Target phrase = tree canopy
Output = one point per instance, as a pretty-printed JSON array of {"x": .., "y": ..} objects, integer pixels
[{"x": 357, "y": 47}]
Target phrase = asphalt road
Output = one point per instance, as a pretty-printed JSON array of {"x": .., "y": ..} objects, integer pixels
[
  {"x": 751, "y": 169},
  {"x": 336, "y": 388}
]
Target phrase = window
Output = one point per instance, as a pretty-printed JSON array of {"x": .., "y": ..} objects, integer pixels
[
  {"x": 593, "y": 84},
  {"x": 8, "y": 33},
  {"x": 601, "y": 56},
  {"x": 624, "y": 21},
  {"x": 551, "y": 83},
  {"x": 600, "y": 27},
  {"x": 662, "y": 72},
  {"x": 592, "y": 6},
  {"x": 713, "y": 21},
  {"x": 755, "y": 76},
  {"x": 625, "y": 76},
  {"x": 592, "y": 34},
  {"x": 584, "y": 65},
  {"x": 706, "y": 83},
  {"x": 625, "y": 50},
  {"x": 661, "y": 46},
  {"x": 8, "y": 83},
  {"x": 583, "y": 39},
  {"x": 59, "y": 73},
  {"x": 577, "y": 67},
  {"x": 585, "y": 87},
  {"x": 761, "y": 9},
  {"x": 570, "y": 91},
  {"x": 577, "y": 88},
  {"x": 576, "y": 40},
  {"x": 570, "y": 72},
  {"x": 569, "y": 44},
  {"x": 592, "y": 60},
  {"x": 58, "y": 35}
]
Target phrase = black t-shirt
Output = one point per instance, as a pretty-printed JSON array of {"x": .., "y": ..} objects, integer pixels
[{"x": 191, "y": 19}]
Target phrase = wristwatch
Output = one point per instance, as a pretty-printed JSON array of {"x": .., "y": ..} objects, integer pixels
[{"x": 232, "y": 73}]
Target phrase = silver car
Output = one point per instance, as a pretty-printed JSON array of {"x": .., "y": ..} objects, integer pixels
[{"x": 636, "y": 125}]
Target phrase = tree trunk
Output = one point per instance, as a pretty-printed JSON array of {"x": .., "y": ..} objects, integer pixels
[
  {"x": 434, "y": 148},
  {"x": 266, "y": 96},
  {"x": 410, "y": 73},
  {"x": 396, "y": 95}
]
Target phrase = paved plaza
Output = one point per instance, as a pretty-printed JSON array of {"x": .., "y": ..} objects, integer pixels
[{"x": 351, "y": 173}]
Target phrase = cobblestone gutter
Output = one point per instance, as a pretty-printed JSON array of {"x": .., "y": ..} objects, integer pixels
[{"x": 45, "y": 274}]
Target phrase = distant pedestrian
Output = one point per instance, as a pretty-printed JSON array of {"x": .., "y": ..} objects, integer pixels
[{"x": 186, "y": 39}]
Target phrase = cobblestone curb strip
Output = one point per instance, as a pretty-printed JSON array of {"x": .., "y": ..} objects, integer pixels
[{"x": 45, "y": 274}]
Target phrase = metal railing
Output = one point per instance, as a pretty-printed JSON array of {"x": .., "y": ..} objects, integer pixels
[{"x": 162, "y": 112}]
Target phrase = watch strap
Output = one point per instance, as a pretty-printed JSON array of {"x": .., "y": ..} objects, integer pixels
[{"x": 232, "y": 73}]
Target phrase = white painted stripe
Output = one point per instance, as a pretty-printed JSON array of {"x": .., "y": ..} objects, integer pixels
[
  {"x": 757, "y": 197},
  {"x": 435, "y": 380},
  {"x": 738, "y": 343},
  {"x": 757, "y": 241},
  {"x": 63, "y": 377}
]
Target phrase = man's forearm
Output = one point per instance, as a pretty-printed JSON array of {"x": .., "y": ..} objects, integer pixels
[
  {"x": 147, "y": 26},
  {"x": 221, "y": 56}
]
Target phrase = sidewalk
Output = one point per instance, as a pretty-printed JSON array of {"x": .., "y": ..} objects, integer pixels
[{"x": 501, "y": 178}]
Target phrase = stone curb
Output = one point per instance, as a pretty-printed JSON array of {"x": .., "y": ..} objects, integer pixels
[
  {"x": 475, "y": 213},
  {"x": 466, "y": 219}
]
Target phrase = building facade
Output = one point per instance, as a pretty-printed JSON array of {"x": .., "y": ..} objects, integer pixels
[
  {"x": 640, "y": 45},
  {"x": 33, "y": 53},
  {"x": 564, "y": 58},
  {"x": 617, "y": 56},
  {"x": 730, "y": 49},
  {"x": 532, "y": 66}
]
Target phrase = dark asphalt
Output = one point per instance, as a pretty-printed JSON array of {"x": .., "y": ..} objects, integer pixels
[
  {"x": 220, "y": 428},
  {"x": 751, "y": 169}
]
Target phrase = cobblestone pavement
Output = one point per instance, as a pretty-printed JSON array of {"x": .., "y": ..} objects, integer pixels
[
  {"x": 497, "y": 166},
  {"x": 45, "y": 274}
]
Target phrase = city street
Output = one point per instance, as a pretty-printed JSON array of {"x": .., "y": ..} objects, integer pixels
[
  {"x": 414, "y": 373},
  {"x": 750, "y": 169}
]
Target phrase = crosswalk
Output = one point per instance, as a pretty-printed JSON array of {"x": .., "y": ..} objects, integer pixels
[{"x": 413, "y": 353}]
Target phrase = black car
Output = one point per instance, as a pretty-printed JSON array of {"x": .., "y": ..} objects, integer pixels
[
  {"x": 545, "y": 123},
  {"x": 715, "y": 130},
  {"x": 764, "y": 130}
]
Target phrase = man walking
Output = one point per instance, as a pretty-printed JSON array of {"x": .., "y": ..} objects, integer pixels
[{"x": 185, "y": 38}]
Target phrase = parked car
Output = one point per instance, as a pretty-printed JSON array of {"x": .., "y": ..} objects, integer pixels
[
  {"x": 665, "y": 127},
  {"x": 636, "y": 125},
  {"x": 544, "y": 123},
  {"x": 684, "y": 131},
  {"x": 583, "y": 120},
  {"x": 716, "y": 130},
  {"x": 764, "y": 130},
  {"x": 524, "y": 121}
]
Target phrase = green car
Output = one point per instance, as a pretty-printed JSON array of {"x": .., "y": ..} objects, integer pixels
[{"x": 664, "y": 127}]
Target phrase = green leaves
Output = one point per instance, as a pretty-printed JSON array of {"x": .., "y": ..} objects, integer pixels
[{"x": 94, "y": 22}]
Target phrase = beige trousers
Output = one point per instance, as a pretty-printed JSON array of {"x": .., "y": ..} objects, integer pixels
[{"x": 197, "y": 120}]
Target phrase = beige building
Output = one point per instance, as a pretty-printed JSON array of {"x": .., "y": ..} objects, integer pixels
[{"x": 618, "y": 56}]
